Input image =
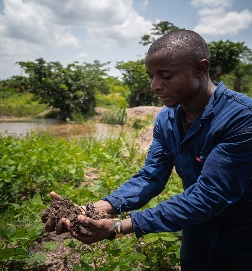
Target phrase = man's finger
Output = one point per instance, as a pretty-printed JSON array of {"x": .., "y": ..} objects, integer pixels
[
  {"x": 87, "y": 221},
  {"x": 85, "y": 239},
  {"x": 53, "y": 194},
  {"x": 60, "y": 227},
  {"x": 44, "y": 215},
  {"x": 50, "y": 225}
]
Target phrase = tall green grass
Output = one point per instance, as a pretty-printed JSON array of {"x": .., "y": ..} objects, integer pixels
[
  {"x": 19, "y": 104},
  {"x": 112, "y": 100}
]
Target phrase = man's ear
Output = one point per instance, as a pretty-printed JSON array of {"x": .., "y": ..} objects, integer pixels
[{"x": 202, "y": 67}]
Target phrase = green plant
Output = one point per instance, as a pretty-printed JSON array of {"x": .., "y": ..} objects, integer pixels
[
  {"x": 15, "y": 246},
  {"x": 114, "y": 100},
  {"x": 118, "y": 117},
  {"x": 34, "y": 165},
  {"x": 106, "y": 256},
  {"x": 151, "y": 252},
  {"x": 19, "y": 104},
  {"x": 139, "y": 123}
]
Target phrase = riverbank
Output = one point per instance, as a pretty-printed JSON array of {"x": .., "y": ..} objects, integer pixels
[{"x": 143, "y": 115}]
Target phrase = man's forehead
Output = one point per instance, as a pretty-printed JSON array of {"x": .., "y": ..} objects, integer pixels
[{"x": 166, "y": 58}]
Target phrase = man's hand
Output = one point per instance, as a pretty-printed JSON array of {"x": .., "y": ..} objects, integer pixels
[
  {"x": 103, "y": 229},
  {"x": 50, "y": 223}
]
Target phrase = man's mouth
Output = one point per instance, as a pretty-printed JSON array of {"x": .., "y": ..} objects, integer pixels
[{"x": 162, "y": 97}]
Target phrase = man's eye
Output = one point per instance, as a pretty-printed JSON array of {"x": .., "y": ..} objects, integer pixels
[{"x": 166, "y": 77}]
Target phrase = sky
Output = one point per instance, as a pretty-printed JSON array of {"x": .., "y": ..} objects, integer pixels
[{"x": 108, "y": 30}]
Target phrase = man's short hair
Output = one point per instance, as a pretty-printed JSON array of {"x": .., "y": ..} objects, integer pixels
[{"x": 186, "y": 44}]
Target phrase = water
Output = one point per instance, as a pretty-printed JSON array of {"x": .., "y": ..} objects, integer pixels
[
  {"x": 62, "y": 129},
  {"x": 21, "y": 127}
]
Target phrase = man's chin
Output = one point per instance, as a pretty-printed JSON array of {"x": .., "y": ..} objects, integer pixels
[{"x": 170, "y": 104}]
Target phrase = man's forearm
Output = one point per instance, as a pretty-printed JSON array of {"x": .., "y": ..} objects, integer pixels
[{"x": 127, "y": 226}]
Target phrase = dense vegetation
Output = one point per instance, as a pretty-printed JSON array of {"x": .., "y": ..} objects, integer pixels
[{"x": 33, "y": 166}]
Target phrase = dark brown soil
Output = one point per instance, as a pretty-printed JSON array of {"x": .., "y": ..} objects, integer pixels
[{"x": 65, "y": 208}]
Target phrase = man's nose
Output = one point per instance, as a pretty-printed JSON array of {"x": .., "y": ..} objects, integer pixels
[{"x": 155, "y": 83}]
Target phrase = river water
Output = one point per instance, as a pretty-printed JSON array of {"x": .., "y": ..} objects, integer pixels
[{"x": 62, "y": 129}]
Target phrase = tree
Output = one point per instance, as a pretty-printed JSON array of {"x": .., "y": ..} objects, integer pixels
[
  {"x": 135, "y": 77},
  {"x": 71, "y": 89},
  {"x": 226, "y": 57},
  {"x": 242, "y": 75},
  {"x": 158, "y": 29},
  {"x": 240, "y": 79},
  {"x": 18, "y": 83}
]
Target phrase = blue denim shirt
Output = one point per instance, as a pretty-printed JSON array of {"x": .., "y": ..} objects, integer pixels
[{"x": 214, "y": 161}]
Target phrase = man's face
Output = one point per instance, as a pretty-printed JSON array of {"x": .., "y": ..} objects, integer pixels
[{"x": 174, "y": 81}]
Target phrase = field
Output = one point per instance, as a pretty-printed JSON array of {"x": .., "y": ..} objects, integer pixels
[{"x": 83, "y": 170}]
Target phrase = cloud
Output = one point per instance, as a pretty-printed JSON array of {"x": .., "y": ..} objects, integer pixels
[
  {"x": 33, "y": 28},
  {"x": 142, "y": 5},
  {"x": 108, "y": 22},
  {"x": 130, "y": 29},
  {"x": 33, "y": 23},
  {"x": 82, "y": 56},
  {"x": 212, "y": 3},
  {"x": 230, "y": 24},
  {"x": 217, "y": 18},
  {"x": 111, "y": 23}
]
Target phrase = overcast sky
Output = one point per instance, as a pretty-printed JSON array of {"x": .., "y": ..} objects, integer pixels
[{"x": 108, "y": 30}]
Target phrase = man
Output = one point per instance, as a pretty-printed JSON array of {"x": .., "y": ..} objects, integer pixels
[{"x": 205, "y": 131}]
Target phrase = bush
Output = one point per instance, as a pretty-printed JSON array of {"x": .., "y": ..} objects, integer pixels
[
  {"x": 116, "y": 117},
  {"x": 115, "y": 100}
]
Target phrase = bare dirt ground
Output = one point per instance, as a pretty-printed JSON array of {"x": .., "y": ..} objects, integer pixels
[
  {"x": 55, "y": 257},
  {"x": 145, "y": 137}
]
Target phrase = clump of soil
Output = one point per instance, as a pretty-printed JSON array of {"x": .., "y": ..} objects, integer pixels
[{"x": 61, "y": 207}]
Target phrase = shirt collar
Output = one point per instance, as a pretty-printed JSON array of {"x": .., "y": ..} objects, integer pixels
[{"x": 209, "y": 108}]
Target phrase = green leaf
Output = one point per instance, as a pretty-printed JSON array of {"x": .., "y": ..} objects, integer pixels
[
  {"x": 86, "y": 266},
  {"x": 168, "y": 236},
  {"x": 50, "y": 245},
  {"x": 20, "y": 254},
  {"x": 6, "y": 253},
  {"x": 77, "y": 267},
  {"x": 150, "y": 238},
  {"x": 72, "y": 171},
  {"x": 9, "y": 232},
  {"x": 36, "y": 258},
  {"x": 36, "y": 199}
]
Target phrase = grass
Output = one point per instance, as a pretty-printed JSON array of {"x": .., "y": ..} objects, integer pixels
[
  {"x": 20, "y": 105},
  {"x": 113, "y": 100}
]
